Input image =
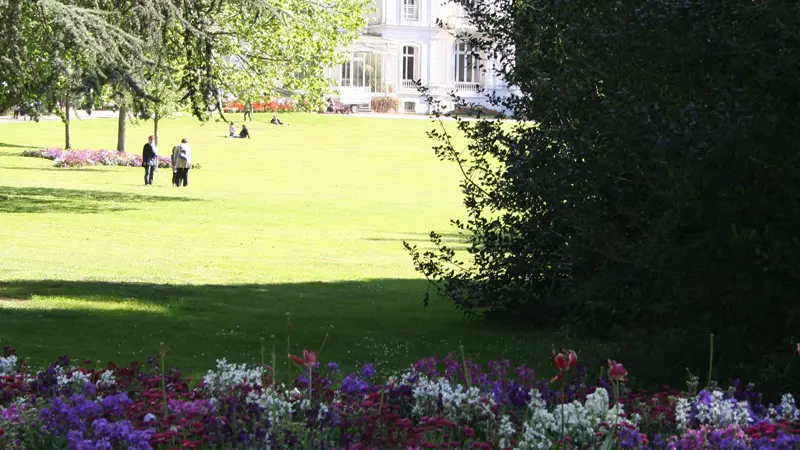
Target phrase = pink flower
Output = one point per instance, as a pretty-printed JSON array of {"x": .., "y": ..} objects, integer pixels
[
  {"x": 616, "y": 371},
  {"x": 308, "y": 360}
]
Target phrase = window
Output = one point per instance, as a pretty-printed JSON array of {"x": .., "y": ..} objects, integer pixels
[
  {"x": 358, "y": 70},
  {"x": 409, "y": 107},
  {"x": 365, "y": 70},
  {"x": 467, "y": 72},
  {"x": 409, "y": 63},
  {"x": 346, "y": 74},
  {"x": 410, "y": 69},
  {"x": 411, "y": 9}
]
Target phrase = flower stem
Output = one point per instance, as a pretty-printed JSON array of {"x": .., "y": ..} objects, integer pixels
[
  {"x": 262, "y": 351},
  {"x": 563, "y": 406},
  {"x": 324, "y": 341},
  {"x": 464, "y": 364},
  {"x": 288, "y": 337},
  {"x": 274, "y": 362},
  {"x": 710, "y": 358},
  {"x": 310, "y": 374},
  {"x": 164, "y": 383}
]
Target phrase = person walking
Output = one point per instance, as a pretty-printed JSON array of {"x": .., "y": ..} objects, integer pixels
[
  {"x": 182, "y": 162},
  {"x": 248, "y": 111},
  {"x": 149, "y": 160}
]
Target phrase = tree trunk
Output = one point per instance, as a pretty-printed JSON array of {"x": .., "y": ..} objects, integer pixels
[
  {"x": 67, "y": 133},
  {"x": 121, "y": 125},
  {"x": 155, "y": 127}
]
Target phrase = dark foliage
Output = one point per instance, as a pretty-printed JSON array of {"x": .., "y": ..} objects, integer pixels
[{"x": 648, "y": 189}]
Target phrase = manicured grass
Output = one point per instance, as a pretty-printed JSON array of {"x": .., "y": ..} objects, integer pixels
[{"x": 306, "y": 219}]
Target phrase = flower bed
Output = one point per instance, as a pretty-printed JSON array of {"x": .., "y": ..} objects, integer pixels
[
  {"x": 434, "y": 404},
  {"x": 85, "y": 157}
]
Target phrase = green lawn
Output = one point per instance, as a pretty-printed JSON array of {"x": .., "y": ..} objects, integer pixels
[{"x": 306, "y": 219}]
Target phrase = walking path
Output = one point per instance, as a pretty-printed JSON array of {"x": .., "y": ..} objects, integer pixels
[
  {"x": 78, "y": 115},
  {"x": 81, "y": 115}
]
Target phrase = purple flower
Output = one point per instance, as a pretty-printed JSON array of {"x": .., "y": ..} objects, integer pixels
[
  {"x": 367, "y": 371},
  {"x": 333, "y": 367},
  {"x": 352, "y": 384}
]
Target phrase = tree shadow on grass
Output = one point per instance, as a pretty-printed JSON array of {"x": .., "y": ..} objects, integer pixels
[
  {"x": 3, "y": 144},
  {"x": 61, "y": 169},
  {"x": 382, "y": 321},
  {"x": 50, "y": 200}
]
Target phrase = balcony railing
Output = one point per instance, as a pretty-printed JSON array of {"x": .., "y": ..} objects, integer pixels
[
  {"x": 411, "y": 12},
  {"x": 408, "y": 85},
  {"x": 467, "y": 87}
]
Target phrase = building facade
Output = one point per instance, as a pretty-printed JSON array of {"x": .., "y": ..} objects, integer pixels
[{"x": 402, "y": 44}]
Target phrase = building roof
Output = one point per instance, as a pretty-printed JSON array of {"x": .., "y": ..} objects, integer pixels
[{"x": 371, "y": 43}]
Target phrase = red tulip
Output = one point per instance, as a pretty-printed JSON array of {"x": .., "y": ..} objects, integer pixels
[
  {"x": 573, "y": 360},
  {"x": 616, "y": 371},
  {"x": 564, "y": 361},
  {"x": 308, "y": 360},
  {"x": 560, "y": 361}
]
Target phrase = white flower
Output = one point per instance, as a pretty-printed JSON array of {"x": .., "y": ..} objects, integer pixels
[
  {"x": 106, "y": 379},
  {"x": 149, "y": 417},
  {"x": 506, "y": 431},
  {"x": 230, "y": 375},
  {"x": 76, "y": 379},
  {"x": 788, "y": 408},
  {"x": 276, "y": 406},
  {"x": 458, "y": 402},
  {"x": 713, "y": 410},
  {"x": 8, "y": 365},
  {"x": 682, "y": 410},
  {"x": 535, "y": 430},
  {"x": 323, "y": 411}
]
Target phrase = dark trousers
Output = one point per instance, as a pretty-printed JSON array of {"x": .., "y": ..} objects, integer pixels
[
  {"x": 149, "y": 171},
  {"x": 182, "y": 177},
  {"x": 248, "y": 114}
]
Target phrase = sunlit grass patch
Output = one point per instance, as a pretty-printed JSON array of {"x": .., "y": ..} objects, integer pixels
[{"x": 42, "y": 303}]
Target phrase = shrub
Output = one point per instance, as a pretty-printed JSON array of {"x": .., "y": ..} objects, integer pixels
[
  {"x": 384, "y": 104},
  {"x": 81, "y": 158},
  {"x": 648, "y": 192}
]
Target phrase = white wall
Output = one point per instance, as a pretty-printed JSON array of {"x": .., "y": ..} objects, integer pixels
[{"x": 436, "y": 59}]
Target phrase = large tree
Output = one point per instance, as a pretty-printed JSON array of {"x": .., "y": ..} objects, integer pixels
[
  {"x": 648, "y": 189},
  {"x": 240, "y": 45}
]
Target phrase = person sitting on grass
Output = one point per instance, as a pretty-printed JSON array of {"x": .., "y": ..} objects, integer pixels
[
  {"x": 232, "y": 130},
  {"x": 275, "y": 120},
  {"x": 244, "y": 133}
]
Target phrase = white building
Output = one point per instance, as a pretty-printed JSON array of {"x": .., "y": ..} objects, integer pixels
[{"x": 403, "y": 43}]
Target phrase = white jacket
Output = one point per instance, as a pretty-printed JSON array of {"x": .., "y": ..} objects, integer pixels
[{"x": 184, "y": 162}]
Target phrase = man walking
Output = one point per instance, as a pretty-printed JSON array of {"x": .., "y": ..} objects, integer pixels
[
  {"x": 182, "y": 162},
  {"x": 248, "y": 111},
  {"x": 149, "y": 160}
]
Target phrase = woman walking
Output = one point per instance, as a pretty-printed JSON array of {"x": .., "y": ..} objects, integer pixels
[{"x": 182, "y": 162}]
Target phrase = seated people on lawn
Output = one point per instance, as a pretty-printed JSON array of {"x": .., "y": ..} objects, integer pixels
[
  {"x": 232, "y": 130},
  {"x": 275, "y": 120},
  {"x": 244, "y": 133}
]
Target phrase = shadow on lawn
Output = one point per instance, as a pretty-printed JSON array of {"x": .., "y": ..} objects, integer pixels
[
  {"x": 381, "y": 320},
  {"x": 49, "y": 200},
  {"x": 3, "y": 144},
  {"x": 448, "y": 238},
  {"x": 60, "y": 169}
]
